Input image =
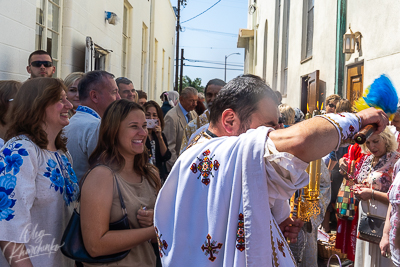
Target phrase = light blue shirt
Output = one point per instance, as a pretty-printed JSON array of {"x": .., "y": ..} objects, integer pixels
[{"x": 184, "y": 112}]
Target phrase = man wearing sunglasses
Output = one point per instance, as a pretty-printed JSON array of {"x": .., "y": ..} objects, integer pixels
[{"x": 40, "y": 64}]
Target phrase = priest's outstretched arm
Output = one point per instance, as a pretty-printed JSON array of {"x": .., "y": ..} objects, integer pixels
[{"x": 316, "y": 137}]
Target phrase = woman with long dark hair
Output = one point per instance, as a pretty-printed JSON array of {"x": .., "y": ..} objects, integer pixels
[
  {"x": 120, "y": 158},
  {"x": 156, "y": 141}
]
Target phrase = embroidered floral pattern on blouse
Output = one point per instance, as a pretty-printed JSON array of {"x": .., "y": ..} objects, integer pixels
[
  {"x": 10, "y": 162},
  {"x": 205, "y": 167},
  {"x": 210, "y": 248},
  {"x": 63, "y": 178},
  {"x": 394, "y": 199},
  {"x": 379, "y": 176},
  {"x": 162, "y": 244},
  {"x": 240, "y": 234}
]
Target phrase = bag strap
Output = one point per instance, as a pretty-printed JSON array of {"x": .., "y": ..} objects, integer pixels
[
  {"x": 121, "y": 200},
  {"x": 340, "y": 263}
]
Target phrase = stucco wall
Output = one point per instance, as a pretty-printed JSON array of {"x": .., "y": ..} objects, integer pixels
[
  {"x": 379, "y": 24},
  {"x": 17, "y": 38},
  {"x": 82, "y": 18},
  {"x": 86, "y": 18},
  {"x": 324, "y": 44},
  {"x": 164, "y": 32}
]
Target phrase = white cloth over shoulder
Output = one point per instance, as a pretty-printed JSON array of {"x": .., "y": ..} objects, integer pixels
[{"x": 215, "y": 207}]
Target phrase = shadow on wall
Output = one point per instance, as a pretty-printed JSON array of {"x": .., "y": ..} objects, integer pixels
[{"x": 78, "y": 56}]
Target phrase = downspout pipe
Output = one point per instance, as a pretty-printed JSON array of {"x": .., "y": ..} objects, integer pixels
[{"x": 340, "y": 56}]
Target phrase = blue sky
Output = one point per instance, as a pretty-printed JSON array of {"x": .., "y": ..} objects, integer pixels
[{"x": 211, "y": 36}]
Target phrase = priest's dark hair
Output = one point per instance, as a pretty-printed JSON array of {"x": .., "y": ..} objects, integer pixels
[{"x": 242, "y": 95}]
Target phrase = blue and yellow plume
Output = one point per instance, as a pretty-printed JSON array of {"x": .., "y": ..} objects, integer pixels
[{"x": 380, "y": 94}]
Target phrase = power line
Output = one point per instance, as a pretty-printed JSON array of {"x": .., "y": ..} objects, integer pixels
[
  {"x": 211, "y": 67},
  {"x": 215, "y": 62},
  {"x": 202, "y": 12},
  {"x": 208, "y": 47},
  {"x": 214, "y": 32}
]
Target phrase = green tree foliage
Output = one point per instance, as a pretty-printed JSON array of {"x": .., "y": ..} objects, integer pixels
[{"x": 196, "y": 83}]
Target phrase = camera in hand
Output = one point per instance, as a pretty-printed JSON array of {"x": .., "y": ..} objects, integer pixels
[{"x": 151, "y": 123}]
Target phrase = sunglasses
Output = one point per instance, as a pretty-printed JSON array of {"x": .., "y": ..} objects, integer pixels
[
  {"x": 38, "y": 64},
  {"x": 332, "y": 105}
]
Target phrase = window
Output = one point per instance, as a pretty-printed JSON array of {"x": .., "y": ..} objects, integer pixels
[
  {"x": 96, "y": 57},
  {"x": 99, "y": 58},
  {"x": 125, "y": 41},
  {"x": 308, "y": 29},
  {"x": 155, "y": 70},
  {"x": 276, "y": 43},
  {"x": 48, "y": 29},
  {"x": 285, "y": 48},
  {"x": 144, "y": 56},
  {"x": 169, "y": 74},
  {"x": 162, "y": 70},
  {"x": 265, "y": 50}
]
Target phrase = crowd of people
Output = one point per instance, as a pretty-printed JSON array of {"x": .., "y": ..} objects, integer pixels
[{"x": 203, "y": 179}]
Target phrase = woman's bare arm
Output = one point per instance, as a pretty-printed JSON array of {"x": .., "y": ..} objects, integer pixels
[
  {"x": 96, "y": 202},
  {"x": 15, "y": 254}
]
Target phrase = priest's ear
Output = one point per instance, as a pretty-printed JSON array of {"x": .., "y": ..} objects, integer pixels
[{"x": 230, "y": 122}]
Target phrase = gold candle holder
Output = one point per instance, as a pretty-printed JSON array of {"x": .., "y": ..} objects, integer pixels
[{"x": 311, "y": 184}]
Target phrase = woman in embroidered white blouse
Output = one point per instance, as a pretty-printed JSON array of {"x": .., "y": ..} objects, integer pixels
[{"x": 37, "y": 182}]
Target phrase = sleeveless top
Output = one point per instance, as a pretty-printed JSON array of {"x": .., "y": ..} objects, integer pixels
[{"x": 135, "y": 195}]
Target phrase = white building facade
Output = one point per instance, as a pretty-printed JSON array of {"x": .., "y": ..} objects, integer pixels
[
  {"x": 140, "y": 46},
  {"x": 297, "y": 47}
]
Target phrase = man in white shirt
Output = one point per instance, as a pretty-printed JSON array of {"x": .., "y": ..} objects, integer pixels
[
  {"x": 219, "y": 205},
  {"x": 97, "y": 90}
]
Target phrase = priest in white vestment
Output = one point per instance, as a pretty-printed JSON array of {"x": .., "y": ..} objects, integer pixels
[{"x": 215, "y": 207}]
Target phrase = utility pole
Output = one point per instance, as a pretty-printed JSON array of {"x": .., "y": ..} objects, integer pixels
[
  {"x": 181, "y": 75},
  {"x": 226, "y": 57},
  {"x": 178, "y": 29}
]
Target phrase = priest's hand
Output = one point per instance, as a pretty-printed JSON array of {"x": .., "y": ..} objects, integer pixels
[
  {"x": 145, "y": 217},
  {"x": 291, "y": 228},
  {"x": 373, "y": 115}
]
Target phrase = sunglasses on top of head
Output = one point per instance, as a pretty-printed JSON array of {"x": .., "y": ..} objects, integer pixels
[{"x": 38, "y": 64}]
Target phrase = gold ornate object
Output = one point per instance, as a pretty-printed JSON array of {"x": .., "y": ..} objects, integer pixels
[{"x": 307, "y": 205}]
